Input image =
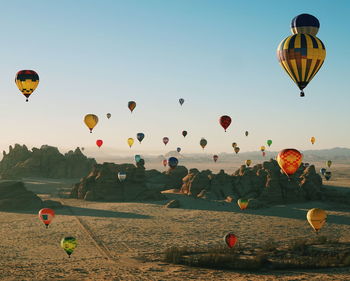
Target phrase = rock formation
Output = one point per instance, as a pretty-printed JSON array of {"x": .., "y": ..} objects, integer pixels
[{"x": 46, "y": 162}]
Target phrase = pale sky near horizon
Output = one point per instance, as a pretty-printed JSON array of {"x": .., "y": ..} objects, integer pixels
[{"x": 220, "y": 56}]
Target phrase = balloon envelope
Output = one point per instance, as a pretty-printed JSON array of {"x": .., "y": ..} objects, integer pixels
[
  {"x": 262, "y": 148},
  {"x": 109, "y": 115},
  {"x": 225, "y": 121},
  {"x": 91, "y": 121},
  {"x": 178, "y": 149},
  {"x": 121, "y": 176},
  {"x": 137, "y": 158},
  {"x": 181, "y": 101},
  {"x": 46, "y": 215},
  {"x": 246, "y": 133},
  {"x": 327, "y": 175},
  {"x": 312, "y": 140},
  {"x": 230, "y": 239},
  {"x": 316, "y": 218},
  {"x": 215, "y": 157},
  {"x": 184, "y": 133},
  {"x": 130, "y": 142},
  {"x": 140, "y": 137},
  {"x": 203, "y": 142},
  {"x": 289, "y": 160},
  {"x": 165, "y": 162},
  {"x": 69, "y": 244},
  {"x": 131, "y": 105},
  {"x": 305, "y": 23},
  {"x": 269, "y": 142},
  {"x": 165, "y": 140},
  {"x": 322, "y": 171},
  {"x": 234, "y": 144},
  {"x": 243, "y": 203},
  {"x": 237, "y": 149},
  {"x": 248, "y": 162},
  {"x": 329, "y": 163},
  {"x": 27, "y": 81},
  {"x": 172, "y": 162},
  {"x": 99, "y": 143}
]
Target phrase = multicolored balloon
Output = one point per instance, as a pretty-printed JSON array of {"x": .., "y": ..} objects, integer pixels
[
  {"x": 140, "y": 136},
  {"x": 69, "y": 244},
  {"x": 316, "y": 218},
  {"x": 172, "y": 162},
  {"x": 322, "y": 171},
  {"x": 215, "y": 157},
  {"x": 184, "y": 133},
  {"x": 130, "y": 142},
  {"x": 27, "y": 81},
  {"x": 91, "y": 121},
  {"x": 248, "y": 162},
  {"x": 203, "y": 142},
  {"x": 225, "y": 121},
  {"x": 99, "y": 143},
  {"x": 165, "y": 140},
  {"x": 305, "y": 23},
  {"x": 243, "y": 203},
  {"x": 131, "y": 105},
  {"x": 327, "y": 175},
  {"x": 46, "y": 215},
  {"x": 230, "y": 239},
  {"x": 289, "y": 160}
]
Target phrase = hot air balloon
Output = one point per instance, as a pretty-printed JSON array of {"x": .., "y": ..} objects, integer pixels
[
  {"x": 329, "y": 163},
  {"x": 46, "y": 215},
  {"x": 130, "y": 142},
  {"x": 99, "y": 143},
  {"x": 69, "y": 244},
  {"x": 172, "y": 162},
  {"x": 246, "y": 133},
  {"x": 225, "y": 121},
  {"x": 289, "y": 160},
  {"x": 263, "y": 153},
  {"x": 269, "y": 142},
  {"x": 184, "y": 133},
  {"x": 140, "y": 136},
  {"x": 181, "y": 101},
  {"x": 230, "y": 239},
  {"x": 234, "y": 144},
  {"x": 243, "y": 203},
  {"x": 306, "y": 165},
  {"x": 137, "y": 158},
  {"x": 91, "y": 121},
  {"x": 248, "y": 162},
  {"x": 322, "y": 171},
  {"x": 316, "y": 218},
  {"x": 203, "y": 142},
  {"x": 312, "y": 140},
  {"x": 301, "y": 55},
  {"x": 327, "y": 175},
  {"x": 131, "y": 105},
  {"x": 237, "y": 149},
  {"x": 215, "y": 157},
  {"x": 27, "y": 81},
  {"x": 262, "y": 148},
  {"x": 121, "y": 176},
  {"x": 165, "y": 140},
  {"x": 178, "y": 149},
  {"x": 109, "y": 115},
  {"x": 165, "y": 162},
  {"x": 82, "y": 148}
]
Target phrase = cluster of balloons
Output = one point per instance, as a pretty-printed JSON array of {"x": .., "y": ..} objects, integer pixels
[
  {"x": 302, "y": 54},
  {"x": 327, "y": 174}
]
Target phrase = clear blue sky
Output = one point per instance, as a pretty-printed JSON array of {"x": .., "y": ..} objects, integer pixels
[{"x": 220, "y": 56}]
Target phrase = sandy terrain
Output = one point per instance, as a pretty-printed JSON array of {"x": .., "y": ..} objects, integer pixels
[{"x": 116, "y": 239}]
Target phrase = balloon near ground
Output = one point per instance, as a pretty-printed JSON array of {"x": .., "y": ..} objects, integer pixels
[
  {"x": 99, "y": 143},
  {"x": 225, "y": 121},
  {"x": 289, "y": 160},
  {"x": 327, "y": 175},
  {"x": 203, "y": 143},
  {"x": 46, "y": 215},
  {"x": 165, "y": 140},
  {"x": 165, "y": 162},
  {"x": 248, "y": 162},
  {"x": 91, "y": 121},
  {"x": 131, "y": 105},
  {"x": 130, "y": 142},
  {"x": 329, "y": 163},
  {"x": 172, "y": 162},
  {"x": 230, "y": 239},
  {"x": 302, "y": 55},
  {"x": 137, "y": 158},
  {"x": 243, "y": 203},
  {"x": 322, "y": 171},
  {"x": 316, "y": 218},
  {"x": 215, "y": 158},
  {"x": 69, "y": 244},
  {"x": 122, "y": 176},
  {"x": 140, "y": 137},
  {"x": 27, "y": 81}
]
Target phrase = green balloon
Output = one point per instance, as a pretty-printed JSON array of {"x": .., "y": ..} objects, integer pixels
[
  {"x": 269, "y": 142},
  {"x": 69, "y": 244}
]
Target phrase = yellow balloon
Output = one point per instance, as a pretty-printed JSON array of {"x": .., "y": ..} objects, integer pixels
[
  {"x": 329, "y": 163},
  {"x": 91, "y": 121},
  {"x": 248, "y": 162},
  {"x": 130, "y": 142},
  {"x": 262, "y": 148},
  {"x": 312, "y": 140},
  {"x": 316, "y": 218}
]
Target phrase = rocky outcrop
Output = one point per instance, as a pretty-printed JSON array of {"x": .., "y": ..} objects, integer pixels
[
  {"x": 102, "y": 184},
  {"x": 46, "y": 162}
]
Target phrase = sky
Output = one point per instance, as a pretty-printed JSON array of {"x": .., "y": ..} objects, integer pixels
[{"x": 220, "y": 56}]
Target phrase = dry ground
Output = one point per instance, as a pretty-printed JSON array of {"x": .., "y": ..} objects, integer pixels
[{"x": 125, "y": 241}]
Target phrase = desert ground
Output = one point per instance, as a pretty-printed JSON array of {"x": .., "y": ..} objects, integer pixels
[{"x": 126, "y": 241}]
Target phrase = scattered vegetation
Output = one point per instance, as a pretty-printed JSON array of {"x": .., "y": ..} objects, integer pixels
[{"x": 318, "y": 252}]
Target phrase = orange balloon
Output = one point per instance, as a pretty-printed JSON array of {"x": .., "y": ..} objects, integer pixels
[
  {"x": 289, "y": 160},
  {"x": 46, "y": 215}
]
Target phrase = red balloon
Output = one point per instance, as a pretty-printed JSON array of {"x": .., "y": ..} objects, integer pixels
[
  {"x": 230, "y": 240},
  {"x": 165, "y": 162},
  {"x": 225, "y": 121},
  {"x": 46, "y": 215},
  {"x": 165, "y": 140},
  {"x": 99, "y": 143},
  {"x": 263, "y": 154}
]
